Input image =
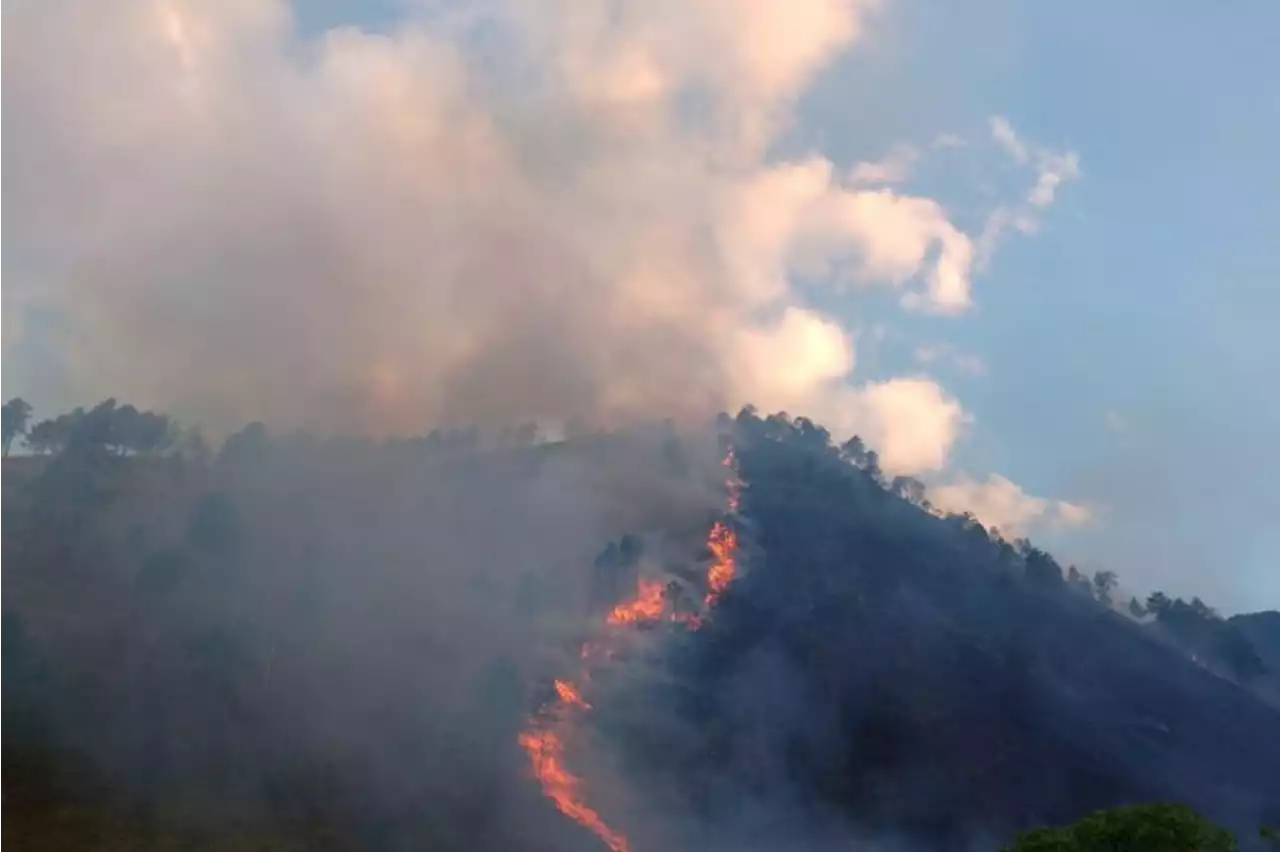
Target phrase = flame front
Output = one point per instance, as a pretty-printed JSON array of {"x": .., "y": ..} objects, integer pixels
[
  {"x": 723, "y": 544},
  {"x": 722, "y": 541},
  {"x": 646, "y": 606},
  {"x": 568, "y": 693},
  {"x": 546, "y": 753},
  {"x": 544, "y": 740}
]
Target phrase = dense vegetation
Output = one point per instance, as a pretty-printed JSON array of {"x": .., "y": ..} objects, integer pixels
[
  {"x": 303, "y": 643},
  {"x": 1136, "y": 828}
]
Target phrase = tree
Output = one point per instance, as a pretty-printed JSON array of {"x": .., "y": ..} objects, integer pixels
[
  {"x": 1078, "y": 582},
  {"x": 1234, "y": 650},
  {"x": 854, "y": 451},
  {"x": 42, "y": 438},
  {"x": 1158, "y": 603},
  {"x": 909, "y": 488},
  {"x": 872, "y": 466},
  {"x": 629, "y": 549},
  {"x": 16, "y": 414},
  {"x": 72, "y": 490},
  {"x": 1202, "y": 610},
  {"x": 156, "y": 433},
  {"x": 812, "y": 435},
  {"x": 1104, "y": 582},
  {"x": 1136, "y": 609},
  {"x": 52, "y": 436},
  {"x": 126, "y": 429},
  {"x": 1042, "y": 571},
  {"x": 245, "y": 448},
  {"x": 1134, "y": 828}
]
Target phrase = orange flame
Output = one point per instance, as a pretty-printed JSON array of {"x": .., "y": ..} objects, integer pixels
[
  {"x": 723, "y": 544},
  {"x": 569, "y": 695},
  {"x": 543, "y": 741},
  {"x": 644, "y": 607},
  {"x": 546, "y": 753},
  {"x": 722, "y": 541}
]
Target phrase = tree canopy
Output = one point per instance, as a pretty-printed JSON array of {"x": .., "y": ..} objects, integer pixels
[{"x": 1135, "y": 828}]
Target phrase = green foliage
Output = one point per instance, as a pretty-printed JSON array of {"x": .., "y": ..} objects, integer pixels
[{"x": 1134, "y": 828}]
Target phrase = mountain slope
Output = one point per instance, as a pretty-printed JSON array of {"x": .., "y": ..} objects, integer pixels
[
  {"x": 904, "y": 673},
  {"x": 335, "y": 645}
]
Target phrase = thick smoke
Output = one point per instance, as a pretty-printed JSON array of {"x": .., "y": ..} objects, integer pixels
[{"x": 512, "y": 211}]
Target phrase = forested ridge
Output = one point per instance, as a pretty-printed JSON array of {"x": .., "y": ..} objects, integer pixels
[{"x": 290, "y": 641}]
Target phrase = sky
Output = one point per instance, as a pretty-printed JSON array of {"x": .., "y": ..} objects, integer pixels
[{"x": 1023, "y": 248}]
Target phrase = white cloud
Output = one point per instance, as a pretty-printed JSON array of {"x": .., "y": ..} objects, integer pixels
[
  {"x": 894, "y": 168},
  {"x": 795, "y": 217},
  {"x": 911, "y": 422},
  {"x": 1051, "y": 168},
  {"x": 376, "y": 231},
  {"x": 1070, "y": 515},
  {"x": 999, "y": 502},
  {"x": 962, "y": 362},
  {"x": 1055, "y": 169},
  {"x": 1005, "y": 136},
  {"x": 379, "y": 230}
]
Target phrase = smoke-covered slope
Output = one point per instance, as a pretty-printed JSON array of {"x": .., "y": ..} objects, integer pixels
[
  {"x": 338, "y": 645},
  {"x": 906, "y": 675},
  {"x": 1262, "y": 630}
]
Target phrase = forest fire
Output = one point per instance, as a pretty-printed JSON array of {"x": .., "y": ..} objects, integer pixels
[
  {"x": 546, "y": 752},
  {"x": 723, "y": 542},
  {"x": 544, "y": 740},
  {"x": 646, "y": 606},
  {"x": 569, "y": 695}
]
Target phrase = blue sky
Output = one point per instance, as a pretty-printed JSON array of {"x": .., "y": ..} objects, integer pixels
[
  {"x": 272, "y": 222},
  {"x": 1131, "y": 356},
  {"x": 1169, "y": 276}
]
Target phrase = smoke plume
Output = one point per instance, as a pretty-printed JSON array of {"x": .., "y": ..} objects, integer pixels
[{"x": 517, "y": 210}]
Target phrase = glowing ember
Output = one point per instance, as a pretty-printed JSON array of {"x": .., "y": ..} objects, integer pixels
[{"x": 543, "y": 741}]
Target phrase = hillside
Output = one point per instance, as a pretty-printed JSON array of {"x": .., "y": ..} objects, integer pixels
[
  {"x": 1262, "y": 629},
  {"x": 906, "y": 676},
  {"x": 336, "y": 645}
]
